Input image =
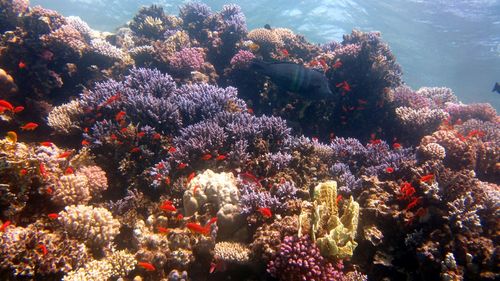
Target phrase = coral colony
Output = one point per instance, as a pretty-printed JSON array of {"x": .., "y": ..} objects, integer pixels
[{"x": 157, "y": 153}]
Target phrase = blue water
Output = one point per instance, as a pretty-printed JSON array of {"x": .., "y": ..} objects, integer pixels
[{"x": 452, "y": 43}]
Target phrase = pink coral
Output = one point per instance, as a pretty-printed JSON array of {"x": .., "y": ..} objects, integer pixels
[
  {"x": 187, "y": 59},
  {"x": 243, "y": 57}
]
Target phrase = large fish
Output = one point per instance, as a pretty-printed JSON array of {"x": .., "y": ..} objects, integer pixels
[
  {"x": 496, "y": 88},
  {"x": 296, "y": 78}
]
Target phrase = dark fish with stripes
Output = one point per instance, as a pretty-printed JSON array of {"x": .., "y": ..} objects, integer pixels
[{"x": 295, "y": 78}]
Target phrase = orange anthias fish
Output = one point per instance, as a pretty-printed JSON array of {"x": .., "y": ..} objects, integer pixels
[
  {"x": 337, "y": 64},
  {"x": 427, "y": 178},
  {"x": 64, "y": 154},
  {"x": 110, "y": 100},
  {"x": 194, "y": 227},
  {"x": 413, "y": 203},
  {"x": 69, "y": 171},
  {"x": 344, "y": 86},
  {"x": 163, "y": 230},
  {"x": 4, "y": 226},
  {"x": 220, "y": 157},
  {"x": 18, "y": 109},
  {"x": 7, "y": 105},
  {"x": 120, "y": 115},
  {"x": 181, "y": 166},
  {"x": 389, "y": 170},
  {"x": 43, "y": 171},
  {"x": 172, "y": 149},
  {"x": 53, "y": 216},
  {"x": 140, "y": 134},
  {"x": 46, "y": 143},
  {"x": 265, "y": 212},
  {"x": 396, "y": 145},
  {"x": 168, "y": 206},
  {"x": 147, "y": 266},
  {"x": 43, "y": 249},
  {"x": 191, "y": 177},
  {"x": 85, "y": 142},
  {"x": 285, "y": 52},
  {"x": 206, "y": 157},
  {"x": 21, "y": 64},
  {"x": 212, "y": 221},
  {"x": 29, "y": 126}
]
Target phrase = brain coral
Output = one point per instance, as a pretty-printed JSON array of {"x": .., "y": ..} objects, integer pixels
[{"x": 96, "y": 226}]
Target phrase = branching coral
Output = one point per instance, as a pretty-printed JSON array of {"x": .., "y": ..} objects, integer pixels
[
  {"x": 299, "y": 259},
  {"x": 22, "y": 250}
]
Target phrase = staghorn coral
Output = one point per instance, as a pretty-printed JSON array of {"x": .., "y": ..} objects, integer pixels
[
  {"x": 96, "y": 226},
  {"x": 20, "y": 251},
  {"x": 116, "y": 264},
  {"x": 231, "y": 252},
  {"x": 299, "y": 259}
]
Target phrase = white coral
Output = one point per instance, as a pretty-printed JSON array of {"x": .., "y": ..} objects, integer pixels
[
  {"x": 63, "y": 119},
  {"x": 93, "y": 224}
]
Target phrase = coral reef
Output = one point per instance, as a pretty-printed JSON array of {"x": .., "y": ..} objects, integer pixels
[{"x": 157, "y": 152}]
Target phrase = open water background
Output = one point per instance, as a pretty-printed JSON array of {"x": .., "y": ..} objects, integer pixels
[{"x": 452, "y": 43}]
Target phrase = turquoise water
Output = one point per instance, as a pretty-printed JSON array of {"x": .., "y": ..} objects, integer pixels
[{"x": 455, "y": 44}]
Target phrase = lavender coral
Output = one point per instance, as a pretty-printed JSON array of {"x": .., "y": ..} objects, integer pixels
[
  {"x": 299, "y": 259},
  {"x": 187, "y": 59}
]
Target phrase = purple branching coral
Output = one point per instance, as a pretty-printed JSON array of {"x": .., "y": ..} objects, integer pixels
[
  {"x": 234, "y": 18},
  {"x": 253, "y": 197},
  {"x": 299, "y": 259},
  {"x": 242, "y": 58},
  {"x": 371, "y": 159},
  {"x": 194, "y": 12},
  {"x": 187, "y": 59},
  {"x": 346, "y": 181}
]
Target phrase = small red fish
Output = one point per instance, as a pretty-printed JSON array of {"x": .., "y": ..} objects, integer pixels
[
  {"x": 85, "y": 142},
  {"x": 49, "y": 190},
  {"x": 375, "y": 141},
  {"x": 323, "y": 64},
  {"x": 389, "y": 170},
  {"x": 427, "y": 178},
  {"x": 124, "y": 130},
  {"x": 69, "y": 171},
  {"x": 21, "y": 64},
  {"x": 181, "y": 166},
  {"x": 160, "y": 166},
  {"x": 135, "y": 150},
  {"x": 53, "y": 216},
  {"x": 337, "y": 64},
  {"x": 110, "y": 100},
  {"x": 172, "y": 149},
  {"x": 4, "y": 226},
  {"x": 220, "y": 157},
  {"x": 43, "y": 172},
  {"x": 7, "y": 105},
  {"x": 179, "y": 217},
  {"x": 43, "y": 248},
  {"x": 344, "y": 85},
  {"x": 284, "y": 52},
  {"x": 120, "y": 115},
  {"x": 156, "y": 136},
  {"x": 265, "y": 212},
  {"x": 339, "y": 197},
  {"x": 194, "y": 227},
  {"x": 23, "y": 172},
  {"x": 18, "y": 109},
  {"x": 191, "y": 177},
  {"x": 140, "y": 134},
  {"x": 167, "y": 180},
  {"x": 64, "y": 154},
  {"x": 212, "y": 221},
  {"x": 46, "y": 143},
  {"x": 396, "y": 145},
  {"x": 147, "y": 266},
  {"x": 29, "y": 126},
  {"x": 168, "y": 207},
  {"x": 206, "y": 157},
  {"x": 163, "y": 230},
  {"x": 475, "y": 133},
  {"x": 413, "y": 203}
]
